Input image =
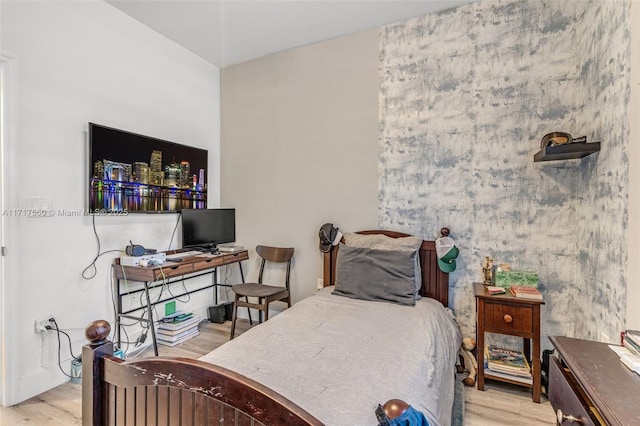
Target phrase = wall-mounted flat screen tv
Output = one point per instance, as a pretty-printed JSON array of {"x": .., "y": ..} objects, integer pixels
[{"x": 133, "y": 173}]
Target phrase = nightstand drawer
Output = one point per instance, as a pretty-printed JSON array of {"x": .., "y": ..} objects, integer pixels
[
  {"x": 564, "y": 396},
  {"x": 504, "y": 318}
]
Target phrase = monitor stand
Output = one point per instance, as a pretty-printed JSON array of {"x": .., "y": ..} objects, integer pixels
[{"x": 209, "y": 248}]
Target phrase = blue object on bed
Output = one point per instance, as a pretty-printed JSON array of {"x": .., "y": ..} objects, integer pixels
[{"x": 411, "y": 417}]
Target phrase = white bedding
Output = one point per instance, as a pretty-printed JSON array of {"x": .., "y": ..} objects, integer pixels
[{"x": 338, "y": 357}]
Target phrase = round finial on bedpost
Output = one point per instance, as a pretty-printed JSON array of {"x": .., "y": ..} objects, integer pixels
[
  {"x": 395, "y": 408},
  {"x": 97, "y": 332},
  {"x": 444, "y": 232}
]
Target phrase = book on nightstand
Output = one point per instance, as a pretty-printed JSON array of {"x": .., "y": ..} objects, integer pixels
[
  {"x": 495, "y": 290},
  {"x": 525, "y": 292}
]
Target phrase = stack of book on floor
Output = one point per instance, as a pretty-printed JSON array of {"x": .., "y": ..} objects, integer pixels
[
  {"x": 507, "y": 364},
  {"x": 177, "y": 327}
]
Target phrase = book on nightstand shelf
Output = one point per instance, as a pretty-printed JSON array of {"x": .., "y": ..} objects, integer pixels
[
  {"x": 508, "y": 364},
  {"x": 525, "y": 292},
  {"x": 520, "y": 379}
]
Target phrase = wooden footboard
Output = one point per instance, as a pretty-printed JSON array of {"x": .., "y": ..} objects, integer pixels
[{"x": 173, "y": 391}]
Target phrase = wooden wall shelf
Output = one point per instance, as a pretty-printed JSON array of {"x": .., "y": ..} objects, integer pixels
[{"x": 566, "y": 152}]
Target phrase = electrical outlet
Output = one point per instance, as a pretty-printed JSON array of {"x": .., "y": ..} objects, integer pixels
[
  {"x": 43, "y": 323},
  {"x": 320, "y": 283}
]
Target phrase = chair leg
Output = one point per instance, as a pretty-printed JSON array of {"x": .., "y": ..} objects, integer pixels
[
  {"x": 234, "y": 318},
  {"x": 246, "y": 299},
  {"x": 265, "y": 305}
]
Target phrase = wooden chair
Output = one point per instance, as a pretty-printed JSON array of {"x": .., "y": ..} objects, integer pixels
[{"x": 264, "y": 293}]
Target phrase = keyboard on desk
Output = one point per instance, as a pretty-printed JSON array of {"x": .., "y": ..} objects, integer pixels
[{"x": 176, "y": 257}]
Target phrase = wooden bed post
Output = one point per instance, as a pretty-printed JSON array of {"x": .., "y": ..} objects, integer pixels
[{"x": 92, "y": 386}]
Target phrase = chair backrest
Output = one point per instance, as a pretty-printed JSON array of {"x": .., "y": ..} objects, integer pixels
[{"x": 275, "y": 254}]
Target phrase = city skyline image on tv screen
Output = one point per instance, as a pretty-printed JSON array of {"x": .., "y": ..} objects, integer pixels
[{"x": 129, "y": 172}]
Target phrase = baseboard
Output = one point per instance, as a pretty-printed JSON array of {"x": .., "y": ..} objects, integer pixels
[{"x": 40, "y": 381}]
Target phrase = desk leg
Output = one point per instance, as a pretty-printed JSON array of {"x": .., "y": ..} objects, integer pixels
[
  {"x": 152, "y": 327},
  {"x": 215, "y": 286},
  {"x": 118, "y": 311}
]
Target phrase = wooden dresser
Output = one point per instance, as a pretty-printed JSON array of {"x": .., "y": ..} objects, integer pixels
[{"x": 588, "y": 385}]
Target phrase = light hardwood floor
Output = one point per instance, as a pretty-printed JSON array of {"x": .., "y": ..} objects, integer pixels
[{"x": 500, "y": 404}]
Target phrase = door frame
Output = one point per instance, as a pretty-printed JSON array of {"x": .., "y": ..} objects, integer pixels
[{"x": 8, "y": 377}]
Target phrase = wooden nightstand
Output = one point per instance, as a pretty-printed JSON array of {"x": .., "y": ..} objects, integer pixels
[{"x": 506, "y": 314}]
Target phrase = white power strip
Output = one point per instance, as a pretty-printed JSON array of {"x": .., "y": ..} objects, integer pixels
[{"x": 133, "y": 352}]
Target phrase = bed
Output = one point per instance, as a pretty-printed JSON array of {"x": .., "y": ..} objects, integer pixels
[{"x": 329, "y": 359}]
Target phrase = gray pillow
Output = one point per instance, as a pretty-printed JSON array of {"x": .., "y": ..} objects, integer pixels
[
  {"x": 374, "y": 274},
  {"x": 383, "y": 242}
]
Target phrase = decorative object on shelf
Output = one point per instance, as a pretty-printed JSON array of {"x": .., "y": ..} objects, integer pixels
[
  {"x": 555, "y": 139},
  {"x": 487, "y": 270},
  {"x": 561, "y": 146}
]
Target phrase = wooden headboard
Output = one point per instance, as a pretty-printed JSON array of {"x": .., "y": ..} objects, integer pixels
[{"x": 435, "y": 283}]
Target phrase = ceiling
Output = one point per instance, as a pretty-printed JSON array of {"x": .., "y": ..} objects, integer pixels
[{"x": 227, "y": 32}]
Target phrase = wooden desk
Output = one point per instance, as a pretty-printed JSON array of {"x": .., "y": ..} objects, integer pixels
[
  {"x": 515, "y": 316},
  {"x": 587, "y": 381},
  {"x": 167, "y": 274}
]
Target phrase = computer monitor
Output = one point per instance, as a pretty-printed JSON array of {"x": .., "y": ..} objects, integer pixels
[{"x": 206, "y": 228}]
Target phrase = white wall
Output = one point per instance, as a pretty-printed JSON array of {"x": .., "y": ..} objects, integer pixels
[
  {"x": 633, "y": 249},
  {"x": 299, "y": 148},
  {"x": 79, "y": 62}
]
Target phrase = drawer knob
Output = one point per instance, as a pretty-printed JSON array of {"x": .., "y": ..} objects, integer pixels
[
  {"x": 566, "y": 417},
  {"x": 508, "y": 318}
]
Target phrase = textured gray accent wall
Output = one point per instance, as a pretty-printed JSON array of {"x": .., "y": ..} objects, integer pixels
[{"x": 466, "y": 95}]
